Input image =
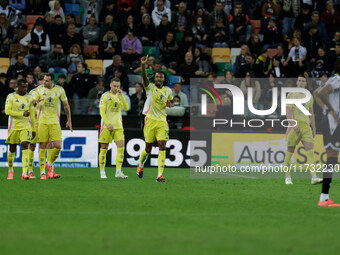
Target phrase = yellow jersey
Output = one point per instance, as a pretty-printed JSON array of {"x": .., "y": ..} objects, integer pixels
[
  {"x": 156, "y": 100},
  {"x": 15, "y": 107},
  {"x": 49, "y": 110},
  {"x": 110, "y": 109},
  {"x": 297, "y": 114}
]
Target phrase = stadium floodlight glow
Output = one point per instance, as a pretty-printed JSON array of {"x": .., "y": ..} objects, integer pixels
[{"x": 238, "y": 100}]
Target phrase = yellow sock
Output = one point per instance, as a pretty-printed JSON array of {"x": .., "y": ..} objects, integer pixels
[
  {"x": 42, "y": 159},
  {"x": 30, "y": 160},
  {"x": 119, "y": 158},
  {"x": 49, "y": 154},
  {"x": 143, "y": 157},
  {"x": 24, "y": 161},
  {"x": 161, "y": 162},
  {"x": 102, "y": 159},
  {"x": 288, "y": 157},
  {"x": 311, "y": 162},
  {"x": 10, "y": 159},
  {"x": 53, "y": 155}
]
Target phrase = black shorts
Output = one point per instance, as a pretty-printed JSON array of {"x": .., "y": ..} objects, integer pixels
[{"x": 330, "y": 140}]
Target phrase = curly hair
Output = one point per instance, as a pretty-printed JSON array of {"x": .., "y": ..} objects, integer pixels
[{"x": 152, "y": 77}]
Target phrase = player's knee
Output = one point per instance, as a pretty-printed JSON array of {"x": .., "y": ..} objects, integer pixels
[
  {"x": 12, "y": 148},
  {"x": 24, "y": 145},
  {"x": 148, "y": 148},
  {"x": 162, "y": 145}
]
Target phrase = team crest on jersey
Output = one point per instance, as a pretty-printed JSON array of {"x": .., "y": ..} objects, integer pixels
[
  {"x": 44, "y": 94},
  {"x": 50, "y": 99},
  {"x": 116, "y": 104},
  {"x": 17, "y": 101},
  {"x": 23, "y": 106}
]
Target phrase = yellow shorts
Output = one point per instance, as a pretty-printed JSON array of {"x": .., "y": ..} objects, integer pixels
[
  {"x": 48, "y": 132},
  {"x": 106, "y": 136},
  {"x": 19, "y": 136},
  {"x": 305, "y": 134},
  {"x": 155, "y": 129}
]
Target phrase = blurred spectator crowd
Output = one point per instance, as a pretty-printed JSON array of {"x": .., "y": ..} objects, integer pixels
[{"x": 85, "y": 43}]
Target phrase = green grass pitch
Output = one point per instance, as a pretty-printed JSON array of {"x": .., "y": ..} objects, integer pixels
[{"x": 82, "y": 214}]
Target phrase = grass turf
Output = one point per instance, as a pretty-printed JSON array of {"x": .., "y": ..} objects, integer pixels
[{"x": 81, "y": 214}]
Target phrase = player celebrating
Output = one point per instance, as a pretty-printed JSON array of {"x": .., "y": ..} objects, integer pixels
[
  {"x": 156, "y": 126},
  {"x": 49, "y": 129},
  {"x": 19, "y": 107},
  {"x": 110, "y": 106},
  {"x": 328, "y": 98},
  {"x": 301, "y": 132}
]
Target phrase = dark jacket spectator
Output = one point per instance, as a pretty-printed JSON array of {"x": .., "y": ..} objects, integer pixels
[
  {"x": 138, "y": 100},
  {"x": 70, "y": 38},
  {"x": 146, "y": 31},
  {"x": 18, "y": 68},
  {"x": 57, "y": 60},
  {"x": 312, "y": 41},
  {"x": 163, "y": 28},
  {"x": 81, "y": 82},
  {"x": 181, "y": 19},
  {"x": 244, "y": 62},
  {"x": 331, "y": 19},
  {"x": 272, "y": 35},
  {"x": 168, "y": 49},
  {"x": 262, "y": 65},
  {"x": 188, "y": 69},
  {"x": 217, "y": 14},
  {"x": 109, "y": 45},
  {"x": 56, "y": 31}
]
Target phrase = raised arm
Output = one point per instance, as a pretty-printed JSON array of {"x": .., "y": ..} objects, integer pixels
[
  {"x": 145, "y": 80},
  {"x": 33, "y": 118}
]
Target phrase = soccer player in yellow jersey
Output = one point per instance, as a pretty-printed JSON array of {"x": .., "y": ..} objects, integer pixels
[
  {"x": 49, "y": 130},
  {"x": 304, "y": 131},
  {"x": 155, "y": 126},
  {"x": 110, "y": 106},
  {"x": 19, "y": 107}
]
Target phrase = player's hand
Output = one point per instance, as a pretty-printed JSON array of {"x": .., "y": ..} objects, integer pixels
[
  {"x": 144, "y": 59},
  {"x": 120, "y": 92},
  {"x": 33, "y": 134},
  {"x": 110, "y": 127},
  {"x": 297, "y": 129},
  {"x": 69, "y": 125},
  {"x": 314, "y": 132},
  {"x": 26, "y": 113}
]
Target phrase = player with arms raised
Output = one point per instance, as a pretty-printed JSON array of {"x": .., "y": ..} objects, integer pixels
[
  {"x": 155, "y": 126},
  {"x": 20, "y": 109},
  {"x": 328, "y": 98},
  {"x": 110, "y": 106},
  {"x": 301, "y": 132},
  {"x": 49, "y": 129}
]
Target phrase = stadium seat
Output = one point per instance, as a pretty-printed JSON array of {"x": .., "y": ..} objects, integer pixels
[
  {"x": 234, "y": 52},
  {"x": 95, "y": 66},
  {"x": 256, "y": 24},
  {"x": 150, "y": 50},
  {"x": 91, "y": 51},
  {"x": 224, "y": 66},
  {"x": 173, "y": 79},
  {"x": 72, "y": 9},
  {"x": 107, "y": 63},
  {"x": 220, "y": 55},
  {"x": 17, "y": 48},
  {"x": 133, "y": 79},
  {"x": 179, "y": 37},
  {"x": 30, "y": 21},
  {"x": 271, "y": 53},
  {"x": 4, "y": 65},
  {"x": 56, "y": 75}
]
